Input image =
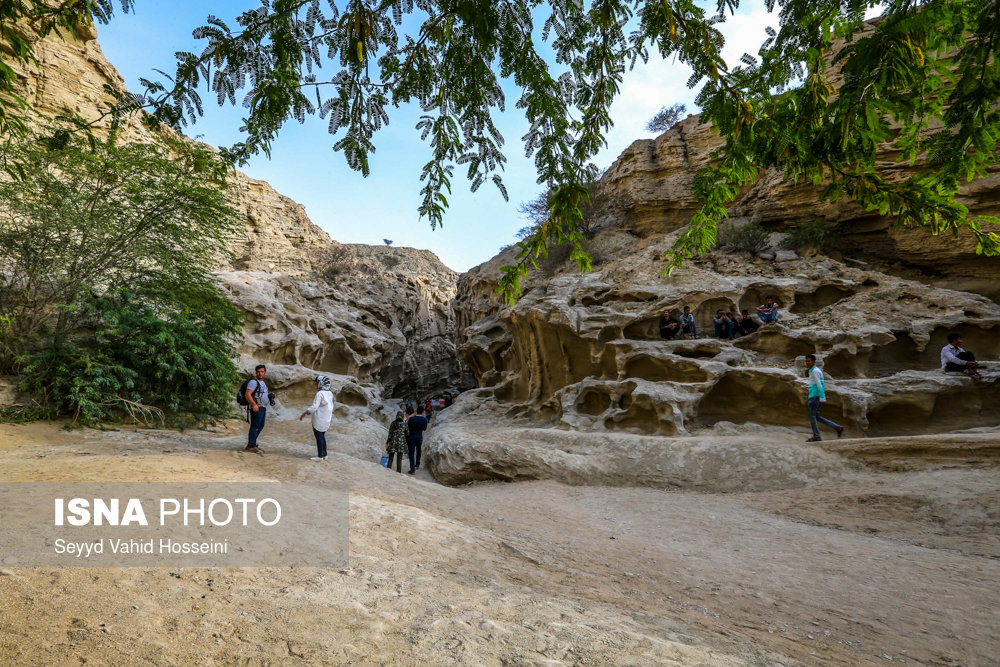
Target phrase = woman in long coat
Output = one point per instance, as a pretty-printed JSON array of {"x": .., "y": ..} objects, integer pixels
[{"x": 395, "y": 443}]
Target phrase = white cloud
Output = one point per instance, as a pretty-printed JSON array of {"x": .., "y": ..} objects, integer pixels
[{"x": 659, "y": 82}]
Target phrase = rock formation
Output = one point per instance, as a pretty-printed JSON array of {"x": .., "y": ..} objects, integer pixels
[
  {"x": 648, "y": 191},
  {"x": 575, "y": 383},
  {"x": 381, "y": 315},
  {"x": 580, "y": 356},
  {"x": 578, "y": 366}
]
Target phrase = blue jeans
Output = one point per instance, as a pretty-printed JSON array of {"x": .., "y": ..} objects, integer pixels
[
  {"x": 256, "y": 425},
  {"x": 413, "y": 449},
  {"x": 723, "y": 329},
  {"x": 768, "y": 317},
  {"x": 320, "y": 442},
  {"x": 814, "y": 418}
]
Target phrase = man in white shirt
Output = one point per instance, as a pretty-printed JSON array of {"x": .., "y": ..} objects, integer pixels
[{"x": 954, "y": 358}]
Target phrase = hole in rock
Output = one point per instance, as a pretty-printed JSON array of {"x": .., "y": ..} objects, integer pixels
[
  {"x": 608, "y": 334},
  {"x": 700, "y": 352},
  {"x": 972, "y": 313},
  {"x": 641, "y": 419},
  {"x": 704, "y": 313},
  {"x": 868, "y": 282},
  {"x": 974, "y": 405},
  {"x": 593, "y": 401},
  {"x": 659, "y": 370},
  {"x": 481, "y": 362},
  {"x": 645, "y": 329},
  {"x": 494, "y": 333},
  {"x": 902, "y": 353},
  {"x": 773, "y": 343},
  {"x": 825, "y": 295},
  {"x": 631, "y": 297},
  {"x": 353, "y": 396},
  {"x": 746, "y": 396}
]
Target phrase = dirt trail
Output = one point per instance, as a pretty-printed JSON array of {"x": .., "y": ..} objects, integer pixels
[{"x": 881, "y": 566}]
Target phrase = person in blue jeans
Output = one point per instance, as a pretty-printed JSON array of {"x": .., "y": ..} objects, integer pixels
[
  {"x": 723, "y": 325},
  {"x": 817, "y": 399},
  {"x": 768, "y": 313},
  {"x": 418, "y": 424},
  {"x": 687, "y": 323},
  {"x": 257, "y": 401}
]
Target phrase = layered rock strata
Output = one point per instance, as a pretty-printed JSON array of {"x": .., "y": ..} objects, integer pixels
[
  {"x": 379, "y": 314},
  {"x": 648, "y": 191}
]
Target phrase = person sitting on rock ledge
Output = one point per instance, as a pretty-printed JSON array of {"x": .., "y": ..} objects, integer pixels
[
  {"x": 670, "y": 326},
  {"x": 954, "y": 358},
  {"x": 687, "y": 323},
  {"x": 769, "y": 311},
  {"x": 744, "y": 325},
  {"x": 723, "y": 325}
]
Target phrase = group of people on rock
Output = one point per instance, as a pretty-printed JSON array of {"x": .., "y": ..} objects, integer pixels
[
  {"x": 954, "y": 358},
  {"x": 727, "y": 326}
]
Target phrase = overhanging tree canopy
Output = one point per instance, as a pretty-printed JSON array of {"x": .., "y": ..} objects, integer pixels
[{"x": 925, "y": 79}]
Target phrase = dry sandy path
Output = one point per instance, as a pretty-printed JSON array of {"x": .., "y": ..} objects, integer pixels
[{"x": 878, "y": 567}]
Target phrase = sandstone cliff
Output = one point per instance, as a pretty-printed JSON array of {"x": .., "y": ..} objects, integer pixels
[
  {"x": 578, "y": 367},
  {"x": 648, "y": 192},
  {"x": 382, "y": 315}
]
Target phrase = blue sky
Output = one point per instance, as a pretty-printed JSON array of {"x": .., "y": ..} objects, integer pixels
[{"x": 354, "y": 209}]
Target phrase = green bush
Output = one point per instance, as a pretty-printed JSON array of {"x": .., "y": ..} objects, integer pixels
[
  {"x": 809, "y": 234},
  {"x": 149, "y": 357},
  {"x": 749, "y": 237},
  {"x": 78, "y": 222}
]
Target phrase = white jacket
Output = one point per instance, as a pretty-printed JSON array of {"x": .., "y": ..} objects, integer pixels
[{"x": 322, "y": 410}]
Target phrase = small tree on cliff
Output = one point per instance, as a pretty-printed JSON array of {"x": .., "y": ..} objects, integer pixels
[
  {"x": 924, "y": 80},
  {"x": 108, "y": 302},
  {"x": 666, "y": 118}
]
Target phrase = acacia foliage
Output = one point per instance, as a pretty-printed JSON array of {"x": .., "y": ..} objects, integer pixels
[
  {"x": 924, "y": 80},
  {"x": 108, "y": 303}
]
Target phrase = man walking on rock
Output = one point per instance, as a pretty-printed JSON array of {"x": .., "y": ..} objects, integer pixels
[{"x": 817, "y": 399}]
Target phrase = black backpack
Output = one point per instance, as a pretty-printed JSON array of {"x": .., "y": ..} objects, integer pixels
[{"x": 241, "y": 395}]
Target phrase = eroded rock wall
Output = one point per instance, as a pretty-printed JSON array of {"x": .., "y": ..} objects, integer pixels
[
  {"x": 382, "y": 315},
  {"x": 648, "y": 191},
  {"x": 581, "y": 355}
]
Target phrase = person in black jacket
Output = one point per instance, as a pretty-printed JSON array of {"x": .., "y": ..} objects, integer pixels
[
  {"x": 670, "y": 326},
  {"x": 418, "y": 424},
  {"x": 745, "y": 325}
]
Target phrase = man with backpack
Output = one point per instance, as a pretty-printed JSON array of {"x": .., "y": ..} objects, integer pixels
[{"x": 257, "y": 399}]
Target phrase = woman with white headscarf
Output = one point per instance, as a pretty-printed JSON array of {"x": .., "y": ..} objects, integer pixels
[{"x": 322, "y": 414}]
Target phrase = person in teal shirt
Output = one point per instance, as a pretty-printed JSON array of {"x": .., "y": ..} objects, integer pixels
[{"x": 817, "y": 399}]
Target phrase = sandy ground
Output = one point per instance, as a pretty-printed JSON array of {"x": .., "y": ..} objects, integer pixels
[{"x": 893, "y": 564}]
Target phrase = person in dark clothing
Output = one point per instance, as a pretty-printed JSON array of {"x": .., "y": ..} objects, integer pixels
[
  {"x": 417, "y": 424},
  {"x": 723, "y": 325},
  {"x": 670, "y": 326},
  {"x": 395, "y": 443},
  {"x": 744, "y": 325}
]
